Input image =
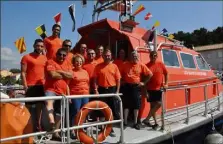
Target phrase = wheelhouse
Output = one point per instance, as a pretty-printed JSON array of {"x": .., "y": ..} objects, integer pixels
[{"x": 186, "y": 67}]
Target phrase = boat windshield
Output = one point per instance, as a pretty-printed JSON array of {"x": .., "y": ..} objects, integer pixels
[{"x": 202, "y": 64}]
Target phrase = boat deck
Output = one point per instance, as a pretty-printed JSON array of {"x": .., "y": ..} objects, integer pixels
[{"x": 174, "y": 124}]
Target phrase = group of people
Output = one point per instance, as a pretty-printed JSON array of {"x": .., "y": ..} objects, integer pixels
[{"x": 53, "y": 70}]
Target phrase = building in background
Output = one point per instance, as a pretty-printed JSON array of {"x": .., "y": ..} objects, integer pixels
[
  {"x": 5, "y": 73},
  {"x": 213, "y": 54}
]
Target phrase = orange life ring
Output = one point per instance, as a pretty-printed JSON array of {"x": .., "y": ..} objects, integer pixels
[{"x": 81, "y": 117}]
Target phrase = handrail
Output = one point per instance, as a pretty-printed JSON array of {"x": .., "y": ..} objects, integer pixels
[
  {"x": 185, "y": 87},
  {"x": 65, "y": 101}
]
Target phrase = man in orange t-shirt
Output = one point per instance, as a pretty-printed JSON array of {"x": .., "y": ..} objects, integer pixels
[
  {"x": 107, "y": 80},
  {"x": 58, "y": 74},
  {"x": 132, "y": 76},
  {"x": 67, "y": 44},
  {"x": 33, "y": 78},
  {"x": 89, "y": 66},
  {"x": 53, "y": 42},
  {"x": 99, "y": 54},
  {"x": 121, "y": 59},
  {"x": 154, "y": 87},
  {"x": 82, "y": 51}
]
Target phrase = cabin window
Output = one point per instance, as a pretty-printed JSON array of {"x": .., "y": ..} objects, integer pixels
[
  {"x": 170, "y": 58},
  {"x": 187, "y": 60},
  {"x": 202, "y": 64}
]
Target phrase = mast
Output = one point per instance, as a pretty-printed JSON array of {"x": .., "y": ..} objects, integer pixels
[{"x": 122, "y": 6}]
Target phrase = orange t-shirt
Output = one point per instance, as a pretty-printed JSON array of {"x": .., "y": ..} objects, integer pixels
[
  {"x": 70, "y": 58},
  {"x": 89, "y": 67},
  {"x": 35, "y": 68},
  {"x": 99, "y": 60},
  {"x": 132, "y": 72},
  {"x": 158, "y": 69},
  {"x": 59, "y": 86},
  {"x": 52, "y": 44},
  {"x": 80, "y": 83},
  {"x": 107, "y": 74},
  {"x": 119, "y": 63}
]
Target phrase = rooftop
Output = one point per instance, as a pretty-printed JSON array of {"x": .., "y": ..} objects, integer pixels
[{"x": 209, "y": 47}]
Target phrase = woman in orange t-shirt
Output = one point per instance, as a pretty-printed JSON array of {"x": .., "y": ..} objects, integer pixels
[{"x": 79, "y": 85}]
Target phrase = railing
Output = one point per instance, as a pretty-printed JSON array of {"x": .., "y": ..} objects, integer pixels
[
  {"x": 187, "y": 105},
  {"x": 65, "y": 106}
]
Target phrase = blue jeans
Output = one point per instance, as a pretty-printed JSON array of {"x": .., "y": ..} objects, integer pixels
[
  {"x": 76, "y": 105},
  {"x": 50, "y": 93}
]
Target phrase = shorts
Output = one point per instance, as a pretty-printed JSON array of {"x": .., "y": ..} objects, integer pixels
[
  {"x": 56, "y": 104},
  {"x": 155, "y": 95},
  {"x": 131, "y": 96},
  {"x": 35, "y": 91}
]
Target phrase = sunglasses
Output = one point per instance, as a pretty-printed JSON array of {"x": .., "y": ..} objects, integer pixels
[
  {"x": 67, "y": 45},
  {"x": 63, "y": 55},
  {"x": 91, "y": 53}
]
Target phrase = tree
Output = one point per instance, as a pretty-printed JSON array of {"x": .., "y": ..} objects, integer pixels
[
  {"x": 200, "y": 37},
  {"x": 15, "y": 70}
]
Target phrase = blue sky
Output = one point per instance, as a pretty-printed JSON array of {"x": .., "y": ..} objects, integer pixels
[{"x": 20, "y": 18}]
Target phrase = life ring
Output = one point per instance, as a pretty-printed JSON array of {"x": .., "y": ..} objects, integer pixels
[{"x": 82, "y": 115}]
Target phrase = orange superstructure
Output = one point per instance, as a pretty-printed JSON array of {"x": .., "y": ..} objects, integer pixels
[{"x": 185, "y": 67}]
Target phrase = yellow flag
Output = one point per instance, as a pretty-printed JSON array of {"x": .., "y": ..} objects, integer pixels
[
  {"x": 41, "y": 31},
  {"x": 171, "y": 36},
  {"x": 20, "y": 45},
  {"x": 157, "y": 23}
]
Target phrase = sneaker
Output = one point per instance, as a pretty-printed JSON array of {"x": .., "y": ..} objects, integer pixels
[
  {"x": 155, "y": 126},
  {"x": 146, "y": 122},
  {"x": 51, "y": 127},
  {"x": 136, "y": 126},
  {"x": 112, "y": 134},
  {"x": 73, "y": 137}
]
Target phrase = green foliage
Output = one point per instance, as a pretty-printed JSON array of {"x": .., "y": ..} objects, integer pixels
[
  {"x": 7, "y": 80},
  {"x": 200, "y": 37},
  {"x": 15, "y": 70}
]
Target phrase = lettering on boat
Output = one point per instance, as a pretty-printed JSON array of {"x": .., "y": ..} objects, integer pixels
[{"x": 195, "y": 73}]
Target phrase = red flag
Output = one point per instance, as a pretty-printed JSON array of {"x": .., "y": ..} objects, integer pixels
[
  {"x": 57, "y": 18},
  {"x": 148, "y": 16}
]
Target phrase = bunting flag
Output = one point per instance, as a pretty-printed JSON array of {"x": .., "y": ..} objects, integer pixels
[
  {"x": 171, "y": 36},
  {"x": 151, "y": 36},
  {"x": 148, "y": 16},
  {"x": 84, "y": 2},
  {"x": 57, "y": 18},
  {"x": 71, "y": 9},
  {"x": 157, "y": 23},
  {"x": 139, "y": 9},
  {"x": 41, "y": 31},
  {"x": 20, "y": 45},
  {"x": 164, "y": 31}
]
